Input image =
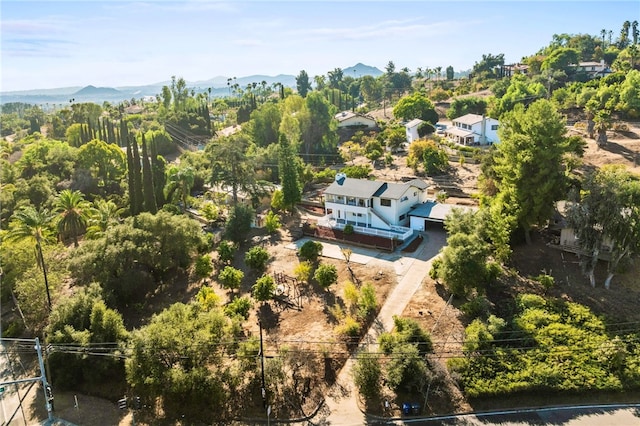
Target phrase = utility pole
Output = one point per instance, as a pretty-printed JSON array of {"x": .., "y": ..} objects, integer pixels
[
  {"x": 264, "y": 388},
  {"x": 48, "y": 396}
]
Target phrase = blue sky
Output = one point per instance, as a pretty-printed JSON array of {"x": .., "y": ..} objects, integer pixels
[{"x": 50, "y": 44}]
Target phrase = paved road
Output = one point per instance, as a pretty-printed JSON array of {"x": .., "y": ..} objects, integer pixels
[
  {"x": 341, "y": 405},
  {"x": 10, "y": 397},
  {"x": 594, "y": 415}
]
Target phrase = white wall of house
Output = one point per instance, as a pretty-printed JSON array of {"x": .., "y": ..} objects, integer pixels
[
  {"x": 376, "y": 212},
  {"x": 411, "y": 130},
  {"x": 490, "y": 129}
]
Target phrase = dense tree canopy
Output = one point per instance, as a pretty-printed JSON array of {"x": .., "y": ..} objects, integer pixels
[
  {"x": 606, "y": 215},
  {"x": 416, "y": 105},
  {"x": 530, "y": 164}
]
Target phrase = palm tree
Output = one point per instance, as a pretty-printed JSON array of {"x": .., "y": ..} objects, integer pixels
[
  {"x": 73, "y": 211},
  {"x": 602, "y": 123},
  {"x": 102, "y": 215},
  {"x": 34, "y": 225},
  {"x": 179, "y": 183}
]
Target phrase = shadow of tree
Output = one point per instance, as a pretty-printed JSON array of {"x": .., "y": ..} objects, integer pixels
[
  {"x": 626, "y": 153},
  {"x": 269, "y": 318}
]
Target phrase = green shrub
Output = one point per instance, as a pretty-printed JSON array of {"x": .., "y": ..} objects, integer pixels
[
  {"x": 310, "y": 251},
  {"x": 547, "y": 281},
  {"x": 272, "y": 222},
  {"x": 264, "y": 289},
  {"x": 435, "y": 267},
  {"x": 326, "y": 275},
  {"x": 256, "y": 258},
  {"x": 239, "y": 306},
  {"x": 477, "y": 307},
  {"x": 348, "y": 229},
  {"x": 203, "y": 266},
  {"x": 357, "y": 171},
  {"x": 327, "y": 175},
  {"x": 349, "y": 328},
  {"x": 226, "y": 251},
  {"x": 367, "y": 303},
  {"x": 493, "y": 271}
]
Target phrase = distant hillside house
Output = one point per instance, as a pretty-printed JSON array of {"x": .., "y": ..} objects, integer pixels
[
  {"x": 473, "y": 129},
  {"x": 412, "y": 129},
  {"x": 133, "y": 109},
  {"x": 348, "y": 119},
  {"x": 593, "y": 69},
  {"x": 513, "y": 69}
]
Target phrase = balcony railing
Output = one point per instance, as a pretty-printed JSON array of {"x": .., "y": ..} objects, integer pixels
[{"x": 396, "y": 232}]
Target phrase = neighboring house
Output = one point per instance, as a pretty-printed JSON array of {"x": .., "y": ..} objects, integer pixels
[
  {"x": 568, "y": 241},
  {"x": 372, "y": 205},
  {"x": 432, "y": 212},
  {"x": 473, "y": 129},
  {"x": 412, "y": 129},
  {"x": 355, "y": 120},
  {"x": 134, "y": 109},
  {"x": 513, "y": 69},
  {"x": 593, "y": 69}
]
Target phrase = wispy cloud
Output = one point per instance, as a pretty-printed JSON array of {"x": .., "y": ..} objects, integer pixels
[
  {"x": 32, "y": 26},
  {"x": 248, "y": 42},
  {"x": 171, "y": 6},
  {"x": 391, "y": 28},
  {"x": 40, "y": 47}
]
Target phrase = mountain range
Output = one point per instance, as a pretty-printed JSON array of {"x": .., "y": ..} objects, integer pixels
[{"x": 220, "y": 86}]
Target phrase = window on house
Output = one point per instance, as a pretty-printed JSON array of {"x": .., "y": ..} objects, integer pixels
[
  {"x": 415, "y": 194},
  {"x": 385, "y": 202},
  {"x": 402, "y": 216},
  {"x": 494, "y": 127},
  {"x": 405, "y": 198}
]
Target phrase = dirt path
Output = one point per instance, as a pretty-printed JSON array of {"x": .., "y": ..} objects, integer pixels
[{"x": 342, "y": 402}]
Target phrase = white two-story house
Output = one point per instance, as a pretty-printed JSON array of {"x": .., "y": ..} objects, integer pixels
[
  {"x": 473, "y": 129},
  {"x": 368, "y": 204}
]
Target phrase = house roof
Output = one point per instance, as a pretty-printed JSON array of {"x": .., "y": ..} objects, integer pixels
[
  {"x": 413, "y": 123},
  {"x": 436, "y": 212},
  {"x": 362, "y": 188},
  {"x": 591, "y": 64},
  {"x": 345, "y": 115},
  {"x": 459, "y": 132},
  {"x": 393, "y": 190},
  {"x": 418, "y": 183},
  {"x": 468, "y": 119}
]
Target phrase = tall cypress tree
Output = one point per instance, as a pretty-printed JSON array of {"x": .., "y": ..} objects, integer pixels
[
  {"x": 124, "y": 136},
  {"x": 158, "y": 165},
  {"x": 137, "y": 175},
  {"x": 291, "y": 190},
  {"x": 147, "y": 178}
]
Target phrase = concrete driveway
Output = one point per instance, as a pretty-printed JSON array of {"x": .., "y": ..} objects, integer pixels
[{"x": 342, "y": 406}]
